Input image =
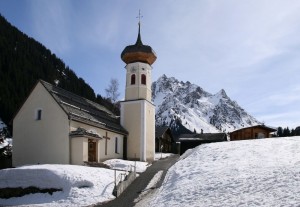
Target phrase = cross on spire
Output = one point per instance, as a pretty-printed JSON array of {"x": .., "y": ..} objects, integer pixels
[
  {"x": 139, "y": 40},
  {"x": 140, "y": 16}
]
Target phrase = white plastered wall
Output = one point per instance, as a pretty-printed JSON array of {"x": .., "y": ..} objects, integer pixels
[
  {"x": 150, "y": 133},
  {"x": 137, "y": 117},
  {"x": 78, "y": 145},
  {"x": 40, "y": 141},
  {"x": 138, "y": 90}
]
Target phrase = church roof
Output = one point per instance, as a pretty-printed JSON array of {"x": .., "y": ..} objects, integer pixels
[
  {"x": 83, "y": 110},
  {"x": 83, "y": 132},
  {"x": 138, "y": 52}
]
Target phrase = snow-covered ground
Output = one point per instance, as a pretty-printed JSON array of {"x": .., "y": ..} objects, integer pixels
[
  {"x": 159, "y": 155},
  {"x": 263, "y": 172},
  {"x": 127, "y": 165},
  {"x": 4, "y": 143},
  {"x": 81, "y": 185}
]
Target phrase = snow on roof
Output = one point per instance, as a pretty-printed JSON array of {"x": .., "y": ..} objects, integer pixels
[{"x": 261, "y": 172}]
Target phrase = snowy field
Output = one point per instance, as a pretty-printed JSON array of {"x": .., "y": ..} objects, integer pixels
[
  {"x": 81, "y": 186},
  {"x": 263, "y": 172}
]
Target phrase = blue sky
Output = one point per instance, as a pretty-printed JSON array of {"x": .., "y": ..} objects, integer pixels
[{"x": 251, "y": 49}]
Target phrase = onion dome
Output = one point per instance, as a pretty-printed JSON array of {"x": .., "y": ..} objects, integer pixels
[{"x": 138, "y": 52}]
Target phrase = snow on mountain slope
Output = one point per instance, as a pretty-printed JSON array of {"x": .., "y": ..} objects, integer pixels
[
  {"x": 188, "y": 105},
  {"x": 2, "y": 125},
  {"x": 263, "y": 172}
]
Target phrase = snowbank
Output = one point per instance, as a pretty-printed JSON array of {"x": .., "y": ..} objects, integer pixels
[
  {"x": 4, "y": 143},
  {"x": 262, "y": 172},
  {"x": 159, "y": 155},
  {"x": 82, "y": 186},
  {"x": 126, "y": 165}
]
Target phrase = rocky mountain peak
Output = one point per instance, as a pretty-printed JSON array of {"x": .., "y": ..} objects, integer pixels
[{"x": 187, "y": 106}]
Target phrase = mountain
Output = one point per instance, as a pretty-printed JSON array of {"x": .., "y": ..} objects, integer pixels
[
  {"x": 23, "y": 61},
  {"x": 186, "y": 107},
  {"x": 2, "y": 125}
]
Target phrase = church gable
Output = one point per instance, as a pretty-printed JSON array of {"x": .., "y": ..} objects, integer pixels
[{"x": 38, "y": 126}]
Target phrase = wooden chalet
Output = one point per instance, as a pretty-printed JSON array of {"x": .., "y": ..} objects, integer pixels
[{"x": 253, "y": 132}]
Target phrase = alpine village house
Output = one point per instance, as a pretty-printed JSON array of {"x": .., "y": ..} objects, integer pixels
[{"x": 55, "y": 126}]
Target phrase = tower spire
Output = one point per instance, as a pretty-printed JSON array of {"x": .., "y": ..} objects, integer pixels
[
  {"x": 139, "y": 39},
  {"x": 138, "y": 52}
]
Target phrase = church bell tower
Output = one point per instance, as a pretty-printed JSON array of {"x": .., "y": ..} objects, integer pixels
[{"x": 138, "y": 111}]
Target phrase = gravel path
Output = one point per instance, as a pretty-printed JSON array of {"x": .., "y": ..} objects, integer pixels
[{"x": 126, "y": 199}]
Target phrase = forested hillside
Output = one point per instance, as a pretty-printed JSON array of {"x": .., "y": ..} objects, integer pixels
[{"x": 23, "y": 61}]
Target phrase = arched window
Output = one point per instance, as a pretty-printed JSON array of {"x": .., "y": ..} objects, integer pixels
[
  {"x": 132, "y": 79},
  {"x": 143, "y": 79}
]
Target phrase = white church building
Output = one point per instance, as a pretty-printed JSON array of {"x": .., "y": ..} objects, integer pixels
[{"x": 55, "y": 126}]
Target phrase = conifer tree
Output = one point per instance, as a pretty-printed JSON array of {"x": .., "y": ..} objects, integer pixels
[{"x": 279, "y": 132}]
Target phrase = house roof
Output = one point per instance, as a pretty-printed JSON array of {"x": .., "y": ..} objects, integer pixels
[
  {"x": 262, "y": 126},
  {"x": 211, "y": 137},
  {"x": 83, "y": 110},
  {"x": 160, "y": 130}
]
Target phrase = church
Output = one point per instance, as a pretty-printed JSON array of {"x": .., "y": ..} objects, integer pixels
[{"x": 55, "y": 126}]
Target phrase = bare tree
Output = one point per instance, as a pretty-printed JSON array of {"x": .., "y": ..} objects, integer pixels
[{"x": 112, "y": 92}]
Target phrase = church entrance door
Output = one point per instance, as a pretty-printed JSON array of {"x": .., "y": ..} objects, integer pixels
[{"x": 92, "y": 151}]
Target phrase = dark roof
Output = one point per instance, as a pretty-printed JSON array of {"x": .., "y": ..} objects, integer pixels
[
  {"x": 83, "y": 110},
  {"x": 211, "y": 137},
  {"x": 138, "y": 52},
  {"x": 160, "y": 130},
  {"x": 79, "y": 132},
  {"x": 262, "y": 126}
]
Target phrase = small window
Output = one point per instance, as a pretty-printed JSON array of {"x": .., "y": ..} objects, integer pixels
[
  {"x": 132, "y": 79},
  {"x": 143, "y": 79},
  {"x": 39, "y": 114},
  {"x": 116, "y": 145}
]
